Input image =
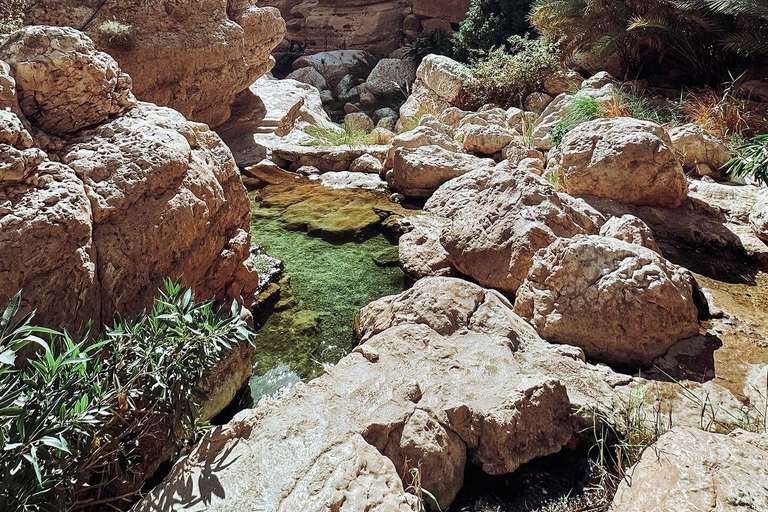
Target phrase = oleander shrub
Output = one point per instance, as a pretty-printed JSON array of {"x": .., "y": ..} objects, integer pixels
[
  {"x": 77, "y": 415},
  {"x": 751, "y": 160}
]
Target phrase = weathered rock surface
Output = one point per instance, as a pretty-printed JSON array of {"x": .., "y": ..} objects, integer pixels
[
  {"x": 63, "y": 83},
  {"x": 499, "y": 218},
  {"x": 689, "y": 470},
  {"x": 142, "y": 196},
  {"x": 453, "y": 11},
  {"x": 419, "y": 250},
  {"x": 192, "y": 56},
  {"x": 696, "y": 147},
  {"x": 443, "y": 76},
  {"x": 758, "y": 217},
  {"x": 335, "y": 65},
  {"x": 631, "y": 230},
  {"x": 418, "y": 172},
  {"x": 418, "y": 137},
  {"x": 619, "y": 302},
  {"x": 485, "y": 140},
  {"x": 624, "y": 159},
  {"x": 391, "y": 76}
]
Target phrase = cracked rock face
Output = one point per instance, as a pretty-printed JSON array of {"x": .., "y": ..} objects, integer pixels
[
  {"x": 619, "y": 302},
  {"x": 193, "y": 56},
  {"x": 689, "y": 470},
  {"x": 63, "y": 83},
  {"x": 91, "y": 227}
]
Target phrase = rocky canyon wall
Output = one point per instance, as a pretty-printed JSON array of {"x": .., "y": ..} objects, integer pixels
[
  {"x": 193, "y": 56},
  {"x": 378, "y": 26}
]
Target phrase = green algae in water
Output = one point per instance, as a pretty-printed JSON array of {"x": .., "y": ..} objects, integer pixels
[{"x": 328, "y": 284}]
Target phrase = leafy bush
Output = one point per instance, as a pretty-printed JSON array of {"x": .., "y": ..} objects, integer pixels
[
  {"x": 506, "y": 77},
  {"x": 751, "y": 160},
  {"x": 489, "y": 24},
  {"x": 74, "y": 418},
  {"x": 705, "y": 38},
  {"x": 436, "y": 42},
  {"x": 12, "y": 15}
]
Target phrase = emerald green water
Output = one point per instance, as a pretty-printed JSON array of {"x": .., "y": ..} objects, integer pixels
[{"x": 325, "y": 285}]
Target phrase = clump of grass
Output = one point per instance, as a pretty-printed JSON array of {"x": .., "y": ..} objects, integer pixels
[
  {"x": 724, "y": 115},
  {"x": 506, "y": 77},
  {"x": 344, "y": 136},
  {"x": 630, "y": 103},
  {"x": 116, "y": 32}
]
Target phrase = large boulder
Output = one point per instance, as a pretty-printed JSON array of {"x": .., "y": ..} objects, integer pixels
[
  {"x": 192, "y": 56},
  {"x": 391, "y": 77},
  {"x": 619, "y": 302},
  {"x": 696, "y": 147},
  {"x": 139, "y": 196},
  {"x": 418, "y": 137},
  {"x": 485, "y": 140},
  {"x": 689, "y": 470},
  {"x": 443, "y": 76},
  {"x": 453, "y": 11},
  {"x": 349, "y": 439},
  {"x": 63, "y": 83},
  {"x": 631, "y": 230},
  {"x": 624, "y": 159},
  {"x": 499, "y": 218},
  {"x": 418, "y": 172}
]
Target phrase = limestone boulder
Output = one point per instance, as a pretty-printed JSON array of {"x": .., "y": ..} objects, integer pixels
[
  {"x": 689, "y": 470},
  {"x": 443, "y": 76},
  {"x": 391, "y": 77},
  {"x": 358, "y": 122},
  {"x": 562, "y": 80},
  {"x": 619, "y": 302},
  {"x": 499, "y": 218},
  {"x": 418, "y": 172},
  {"x": 695, "y": 147},
  {"x": 422, "y": 100},
  {"x": 418, "y": 137},
  {"x": 485, "y": 140},
  {"x": 192, "y": 56},
  {"x": 63, "y": 83},
  {"x": 419, "y": 250},
  {"x": 537, "y": 102},
  {"x": 631, "y": 230},
  {"x": 624, "y": 159},
  {"x": 309, "y": 76},
  {"x": 335, "y": 65}
]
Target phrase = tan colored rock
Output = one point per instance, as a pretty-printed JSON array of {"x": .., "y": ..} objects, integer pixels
[
  {"x": 420, "y": 252},
  {"x": 696, "y": 147},
  {"x": 443, "y": 76},
  {"x": 366, "y": 163},
  {"x": 337, "y": 64},
  {"x": 485, "y": 140},
  {"x": 63, "y": 83},
  {"x": 689, "y": 470},
  {"x": 562, "y": 80},
  {"x": 624, "y": 159},
  {"x": 537, "y": 102},
  {"x": 499, "y": 219},
  {"x": 631, "y": 230},
  {"x": 358, "y": 121},
  {"x": 192, "y": 56},
  {"x": 310, "y": 76},
  {"x": 420, "y": 171},
  {"x": 421, "y": 101},
  {"x": 452, "y": 116},
  {"x": 599, "y": 80},
  {"x": 418, "y": 137},
  {"x": 758, "y": 217},
  {"x": 619, "y": 302},
  {"x": 13, "y": 132},
  {"x": 391, "y": 77}
]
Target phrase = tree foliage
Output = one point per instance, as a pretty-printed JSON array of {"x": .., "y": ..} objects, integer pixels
[{"x": 489, "y": 24}]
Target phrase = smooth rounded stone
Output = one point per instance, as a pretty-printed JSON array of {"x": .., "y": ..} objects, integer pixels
[
  {"x": 342, "y": 89},
  {"x": 623, "y": 159},
  {"x": 194, "y": 57},
  {"x": 631, "y": 230},
  {"x": 696, "y": 147},
  {"x": 758, "y": 217},
  {"x": 358, "y": 121},
  {"x": 63, "y": 83},
  {"x": 562, "y": 80},
  {"x": 366, "y": 164},
  {"x": 309, "y": 76},
  {"x": 351, "y": 108},
  {"x": 418, "y": 172},
  {"x": 690, "y": 470},
  {"x": 335, "y": 65},
  {"x": 620, "y": 302},
  {"x": 384, "y": 113},
  {"x": 443, "y": 76},
  {"x": 418, "y": 137},
  {"x": 537, "y": 102},
  {"x": 484, "y": 140},
  {"x": 499, "y": 219},
  {"x": 533, "y": 165},
  {"x": 381, "y": 134},
  {"x": 391, "y": 77}
]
